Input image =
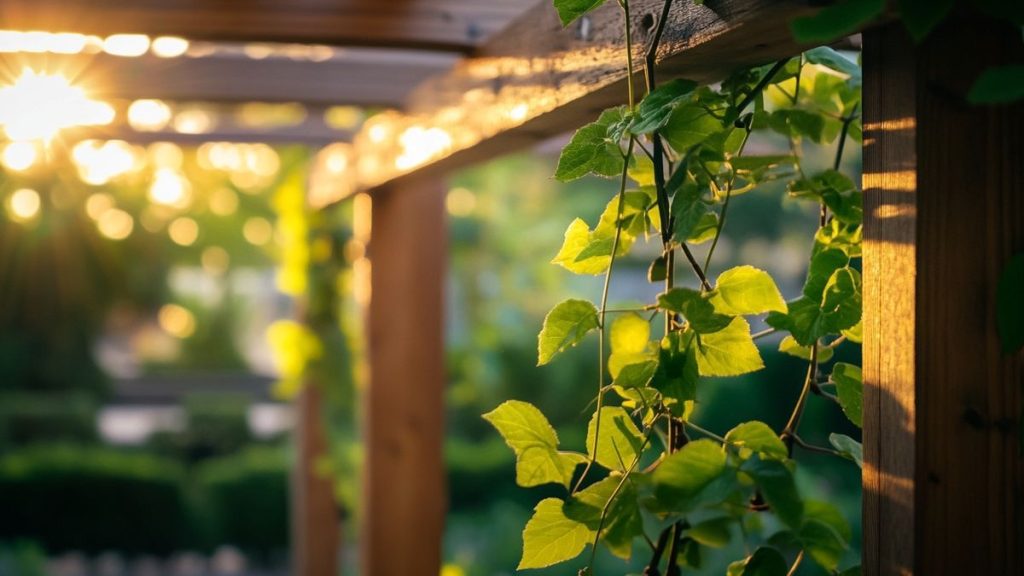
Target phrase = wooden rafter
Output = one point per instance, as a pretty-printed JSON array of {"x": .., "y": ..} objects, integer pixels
[
  {"x": 353, "y": 76},
  {"x": 534, "y": 80},
  {"x": 450, "y": 25}
]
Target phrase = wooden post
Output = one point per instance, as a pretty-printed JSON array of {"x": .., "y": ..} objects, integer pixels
[
  {"x": 315, "y": 530},
  {"x": 404, "y": 489},
  {"x": 944, "y": 210}
]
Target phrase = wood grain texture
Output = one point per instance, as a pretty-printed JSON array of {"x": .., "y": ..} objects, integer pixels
[
  {"x": 535, "y": 80},
  {"x": 453, "y": 25},
  {"x": 404, "y": 488},
  {"x": 944, "y": 210},
  {"x": 315, "y": 524}
]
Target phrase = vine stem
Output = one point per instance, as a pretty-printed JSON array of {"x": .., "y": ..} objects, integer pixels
[
  {"x": 602, "y": 313},
  {"x": 796, "y": 563},
  {"x": 725, "y": 205},
  {"x": 789, "y": 431}
]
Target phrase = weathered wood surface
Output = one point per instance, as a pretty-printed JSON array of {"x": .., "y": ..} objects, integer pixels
[
  {"x": 944, "y": 210},
  {"x": 455, "y": 25},
  {"x": 315, "y": 530},
  {"x": 535, "y": 80},
  {"x": 404, "y": 499}
]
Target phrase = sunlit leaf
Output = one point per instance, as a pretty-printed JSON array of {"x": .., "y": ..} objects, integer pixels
[
  {"x": 656, "y": 107},
  {"x": 849, "y": 388},
  {"x": 757, "y": 438},
  {"x": 622, "y": 523},
  {"x": 848, "y": 447},
  {"x": 688, "y": 126},
  {"x": 550, "y": 537},
  {"x": 535, "y": 444},
  {"x": 728, "y": 352},
  {"x": 681, "y": 478},
  {"x": 775, "y": 481},
  {"x": 746, "y": 290},
  {"x": 697, "y": 309},
  {"x": 592, "y": 149},
  {"x": 790, "y": 346},
  {"x": 618, "y": 442},
  {"x": 564, "y": 326}
]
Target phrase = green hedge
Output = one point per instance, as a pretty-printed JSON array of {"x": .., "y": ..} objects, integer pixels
[{"x": 37, "y": 417}]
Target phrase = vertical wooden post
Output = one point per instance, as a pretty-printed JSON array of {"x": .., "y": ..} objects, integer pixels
[
  {"x": 944, "y": 210},
  {"x": 315, "y": 530},
  {"x": 404, "y": 487}
]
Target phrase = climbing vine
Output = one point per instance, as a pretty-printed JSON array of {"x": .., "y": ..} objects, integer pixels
[{"x": 648, "y": 473}]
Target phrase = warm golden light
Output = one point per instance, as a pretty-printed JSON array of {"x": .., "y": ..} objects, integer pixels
[
  {"x": 149, "y": 115},
  {"x": 38, "y": 42},
  {"x": 170, "y": 188},
  {"x": 166, "y": 155},
  {"x": 37, "y": 106},
  {"x": 24, "y": 204},
  {"x": 460, "y": 202},
  {"x": 169, "y": 46},
  {"x": 194, "y": 121},
  {"x": 100, "y": 162},
  {"x": 176, "y": 321},
  {"x": 115, "y": 224},
  {"x": 223, "y": 202},
  {"x": 98, "y": 204},
  {"x": 215, "y": 260},
  {"x": 128, "y": 45},
  {"x": 258, "y": 231},
  {"x": 19, "y": 156},
  {"x": 183, "y": 231}
]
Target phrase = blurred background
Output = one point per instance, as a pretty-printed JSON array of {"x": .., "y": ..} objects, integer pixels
[{"x": 165, "y": 291}]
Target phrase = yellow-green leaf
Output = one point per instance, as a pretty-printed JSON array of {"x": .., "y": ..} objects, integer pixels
[
  {"x": 728, "y": 352},
  {"x": 619, "y": 440},
  {"x": 550, "y": 537},
  {"x": 535, "y": 443},
  {"x": 565, "y": 325},
  {"x": 746, "y": 290}
]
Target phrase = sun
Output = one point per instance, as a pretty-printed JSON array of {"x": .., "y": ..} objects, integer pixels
[{"x": 38, "y": 106}]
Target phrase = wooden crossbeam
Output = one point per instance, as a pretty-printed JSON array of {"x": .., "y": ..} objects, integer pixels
[
  {"x": 359, "y": 76},
  {"x": 534, "y": 80},
  {"x": 453, "y": 25}
]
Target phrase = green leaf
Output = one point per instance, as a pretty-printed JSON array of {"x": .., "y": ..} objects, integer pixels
[
  {"x": 855, "y": 334},
  {"x": 757, "y": 437},
  {"x": 682, "y": 478},
  {"x": 630, "y": 341},
  {"x": 570, "y": 10},
  {"x": 578, "y": 239},
  {"x": 843, "y": 301},
  {"x": 623, "y": 522},
  {"x": 688, "y": 211},
  {"x": 852, "y": 571},
  {"x": 728, "y": 352},
  {"x": 697, "y": 309},
  {"x": 796, "y": 122},
  {"x": 535, "y": 443},
  {"x": 829, "y": 515},
  {"x": 823, "y": 266},
  {"x": 921, "y": 16},
  {"x": 763, "y": 562},
  {"x": 593, "y": 149},
  {"x": 803, "y": 321},
  {"x": 850, "y": 389},
  {"x": 790, "y": 346},
  {"x": 822, "y": 544},
  {"x": 714, "y": 533},
  {"x": 746, "y": 290},
  {"x": 835, "y": 21},
  {"x": 1010, "y": 305},
  {"x": 705, "y": 229},
  {"x": 825, "y": 56},
  {"x": 688, "y": 126},
  {"x": 775, "y": 480},
  {"x": 636, "y": 375},
  {"x": 848, "y": 448},
  {"x": 676, "y": 377},
  {"x": 565, "y": 325},
  {"x": 619, "y": 440},
  {"x": 656, "y": 107},
  {"x": 550, "y": 537}
]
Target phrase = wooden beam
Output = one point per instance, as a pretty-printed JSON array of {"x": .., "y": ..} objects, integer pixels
[
  {"x": 944, "y": 210},
  {"x": 535, "y": 80},
  {"x": 404, "y": 491},
  {"x": 453, "y": 25},
  {"x": 357, "y": 76},
  {"x": 315, "y": 536}
]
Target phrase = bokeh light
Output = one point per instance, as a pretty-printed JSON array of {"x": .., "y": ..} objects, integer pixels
[
  {"x": 149, "y": 115},
  {"x": 115, "y": 224},
  {"x": 183, "y": 231},
  {"x": 37, "y": 106},
  {"x": 169, "y": 46},
  {"x": 170, "y": 188},
  {"x": 258, "y": 231},
  {"x": 127, "y": 45},
  {"x": 176, "y": 320},
  {"x": 24, "y": 204},
  {"x": 100, "y": 162},
  {"x": 19, "y": 156},
  {"x": 223, "y": 202}
]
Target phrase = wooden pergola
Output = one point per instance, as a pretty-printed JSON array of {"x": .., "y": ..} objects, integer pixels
[{"x": 471, "y": 80}]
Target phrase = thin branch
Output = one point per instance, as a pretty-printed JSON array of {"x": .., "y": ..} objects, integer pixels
[
  {"x": 760, "y": 86},
  {"x": 763, "y": 333},
  {"x": 812, "y": 448},
  {"x": 796, "y": 564}
]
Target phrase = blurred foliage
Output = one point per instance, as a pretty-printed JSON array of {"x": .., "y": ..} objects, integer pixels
[
  {"x": 39, "y": 417},
  {"x": 215, "y": 425}
]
